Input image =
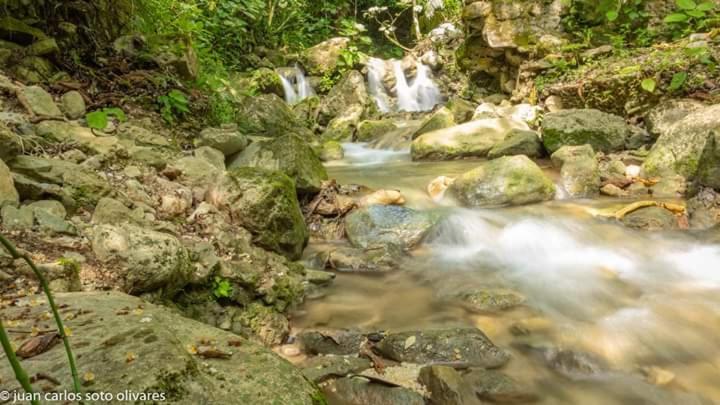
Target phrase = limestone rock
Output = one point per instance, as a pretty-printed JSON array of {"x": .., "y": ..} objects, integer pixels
[
  {"x": 39, "y": 102},
  {"x": 604, "y": 132},
  {"x": 8, "y": 193},
  {"x": 388, "y": 224},
  {"x": 73, "y": 104},
  {"x": 323, "y": 57}
]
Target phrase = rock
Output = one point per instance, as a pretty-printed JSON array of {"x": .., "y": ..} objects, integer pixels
[
  {"x": 10, "y": 143},
  {"x": 370, "y": 130},
  {"x": 60, "y": 131},
  {"x": 38, "y": 102},
  {"x": 225, "y": 139},
  {"x": 338, "y": 342},
  {"x": 704, "y": 209},
  {"x": 436, "y": 189},
  {"x": 472, "y": 139},
  {"x": 177, "y": 55},
  {"x": 289, "y": 154},
  {"x": 211, "y": 155},
  {"x": 322, "y": 368},
  {"x": 53, "y": 223},
  {"x": 489, "y": 300},
  {"x": 73, "y": 104},
  {"x": 343, "y": 127},
  {"x": 350, "y": 91},
  {"x": 266, "y": 80},
  {"x": 447, "y": 386},
  {"x": 519, "y": 112},
  {"x": 440, "y": 119},
  {"x": 112, "y": 212},
  {"x": 270, "y": 327},
  {"x": 322, "y": 58},
  {"x": 8, "y": 193},
  {"x": 604, "y": 132},
  {"x": 579, "y": 170},
  {"x": 331, "y": 150},
  {"x": 144, "y": 260},
  {"x": 361, "y": 390},
  {"x": 497, "y": 387},
  {"x": 388, "y": 224},
  {"x": 612, "y": 190},
  {"x": 14, "y": 30},
  {"x": 141, "y": 136},
  {"x": 663, "y": 116},
  {"x": 573, "y": 364},
  {"x": 197, "y": 171},
  {"x": 152, "y": 349},
  {"x": 462, "y": 110},
  {"x": 268, "y": 115},
  {"x": 504, "y": 181},
  {"x": 651, "y": 219},
  {"x": 347, "y": 259},
  {"x": 518, "y": 142},
  {"x": 47, "y": 46},
  {"x": 689, "y": 149},
  {"x": 319, "y": 277},
  {"x": 21, "y": 219},
  {"x": 265, "y": 203},
  {"x": 457, "y": 346},
  {"x": 382, "y": 197}
]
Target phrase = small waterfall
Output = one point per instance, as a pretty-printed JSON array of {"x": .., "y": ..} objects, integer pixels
[
  {"x": 296, "y": 86},
  {"x": 291, "y": 96},
  {"x": 427, "y": 94},
  {"x": 406, "y": 99},
  {"x": 376, "y": 73},
  {"x": 305, "y": 90}
]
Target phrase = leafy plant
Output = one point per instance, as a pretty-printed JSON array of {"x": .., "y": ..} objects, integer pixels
[
  {"x": 649, "y": 85},
  {"x": 678, "y": 81},
  {"x": 690, "y": 16},
  {"x": 99, "y": 119},
  {"x": 222, "y": 288},
  {"x": 173, "y": 105}
]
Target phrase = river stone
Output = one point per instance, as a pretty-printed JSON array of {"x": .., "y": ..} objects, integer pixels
[
  {"x": 388, "y": 224},
  {"x": 73, "y": 104},
  {"x": 604, "y": 132},
  {"x": 662, "y": 117},
  {"x": 39, "y": 102},
  {"x": 226, "y": 139},
  {"x": 447, "y": 386},
  {"x": 8, "y": 193},
  {"x": 689, "y": 148},
  {"x": 472, "y": 139},
  {"x": 489, "y": 300},
  {"x": 21, "y": 219},
  {"x": 579, "y": 170},
  {"x": 509, "y": 180},
  {"x": 348, "y": 259},
  {"x": 321, "y": 368},
  {"x": 153, "y": 349},
  {"x": 344, "y": 126},
  {"x": 704, "y": 209},
  {"x": 268, "y": 115},
  {"x": 360, "y": 390},
  {"x": 144, "y": 260},
  {"x": 651, "y": 219},
  {"x": 369, "y": 130},
  {"x": 518, "y": 142},
  {"x": 350, "y": 91},
  {"x": 440, "y": 119},
  {"x": 337, "y": 342},
  {"x": 461, "y": 109},
  {"x": 323, "y": 58},
  {"x": 289, "y": 154},
  {"x": 496, "y": 387},
  {"x": 457, "y": 346},
  {"x": 265, "y": 203}
]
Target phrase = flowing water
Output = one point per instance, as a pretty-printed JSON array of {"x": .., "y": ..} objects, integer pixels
[
  {"x": 295, "y": 85},
  {"x": 421, "y": 94},
  {"x": 635, "y": 300}
]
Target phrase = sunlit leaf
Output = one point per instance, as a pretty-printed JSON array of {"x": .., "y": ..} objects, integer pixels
[{"x": 648, "y": 85}]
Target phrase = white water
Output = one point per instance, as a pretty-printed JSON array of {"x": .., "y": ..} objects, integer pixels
[
  {"x": 426, "y": 93},
  {"x": 376, "y": 73},
  {"x": 420, "y": 95},
  {"x": 296, "y": 87},
  {"x": 406, "y": 98},
  {"x": 361, "y": 154}
]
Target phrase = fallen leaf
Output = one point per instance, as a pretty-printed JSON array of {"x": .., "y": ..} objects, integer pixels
[
  {"x": 37, "y": 345},
  {"x": 409, "y": 342}
]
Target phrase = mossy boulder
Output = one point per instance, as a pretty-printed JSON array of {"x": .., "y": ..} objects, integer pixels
[
  {"x": 323, "y": 58},
  {"x": 15, "y": 30},
  {"x": 462, "y": 110},
  {"x": 268, "y": 115},
  {"x": 518, "y": 142},
  {"x": 151, "y": 349},
  {"x": 651, "y": 219},
  {"x": 39, "y": 102},
  {"x": 579, "y": 170},
  {"x": 514, "y": 180},
  {"x": 10, "y": 143},
  {"x": 388, "y": 224},
  {"x": 370, "y": 130},
  {"x": 227, "y": 139},
  {"x": 348, "y": 92},
  {"x": 8, "y": 193},
  {"x": 265, "y": 80},
  {"x": 265, "y": 203},
  {"x": 604, "y": 132},
  {"x": 83, "y": 137},
  {"x": 344, "y": 126},
  {"x": 289, "y": 154},
  {"x": 440, "y": 119},
  {"x": 331, "y": 150}
]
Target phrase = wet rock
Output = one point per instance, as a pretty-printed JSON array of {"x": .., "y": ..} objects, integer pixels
[
  {"x": 575, "y": 127},
  {"x": 360, "y": 390},
  {"x": 651, "y": 219},
  {"x": 579, "y": 170},
  {"x": 504, "y": 181},
  {"x": 323, "y": 57},
  {"x": 338, "y": 342},
  {"x": 144, "y": 260},
  {"x": 370, "y": 130},
  {"x": 268, "y": 326},
  {"x": 322, "y": 368},
  {"x": 518, "y": 142},
  {"x": 436, "y": 189},
  {"x": 446, "y": 386},
  {"x": 382, "y": 197},
  {"x": 497, "y": 387},
  {"x": 225, "y": 139},
  {"x": 457, "y": 346},
  {"x": 461, "y": 109},
  {"x": 489, "y": 300},
  {"x": 612, "y": 190},
  {"x": 344, "y": 126},
  {"x": 8, "y": 193},
  {"x": 573, "y": 364},
  {"x": 153, "y": 349},
  {"x": 472, "y": 139},
  {"x": 704, "y": 209},
  {"x": 353, "y": 260},
  {"x": 349, "y": 92},
  {"x": 38, "y": 102},
  {"x": 662, "y": 117},
  {"x": 73, "y": 105},
  {"x": 289, "y": 154},
  {"x": 440, "y": 119},
  {"x": 388, "y": 224},
  {"x": 331, "y": 150},
  {"x": 268, "y": 115},
  {"x": 319, "y": 277},
  {"x": 265, "y": 203}
]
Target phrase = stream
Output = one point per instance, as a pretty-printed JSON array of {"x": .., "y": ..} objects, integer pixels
[{"x": 647, "y": 305}]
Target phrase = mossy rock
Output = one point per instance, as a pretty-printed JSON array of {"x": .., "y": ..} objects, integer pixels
[
  {"x": 440, "y": 119},
  {"x": 268, "y": 115},
  {"x": 575, "y": 127}
]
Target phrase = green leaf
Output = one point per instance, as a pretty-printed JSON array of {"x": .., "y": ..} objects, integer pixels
[
  {"x": 676, "y": 18},
  {"x": 696, "y": 13},
  {"x": 678, "y": 80},
  {"x": 686, "y": 4},
  {"x": 706, "y": 6},
  {"x": 97, "y": 120},
  {"x": 116, "y": 112},
  {"x": 612, "y": 15},
  {"x": 648, "y": 85},
  {"x": 178, "y": 96}
]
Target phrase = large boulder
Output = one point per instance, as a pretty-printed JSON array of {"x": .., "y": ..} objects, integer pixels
[
  {"x": 225, "y": 139},
  {"x": 8, "y": 193},
  {"x": 265, "y": 203},
  {"x": 370, "y": 130},
  {"x": 472, "y": 139},
  {"x": 579, "y": 170},
  {"x": 323, "y": 57},
  {"x": 440, "y": 119},
  {"x": 267, "y": 115},
  {"x": 664, "y": 115},
  {"x": 289, "y": 154},
  {"x": 144, "y": 260},
  {"x": 378, "y": 225},
  {"x": 604, "y": 132},
  {"x": 73, "y": 105},
  {"x": 350, "y": 91},
  {"x": 60, "y": 131},
  {"x": 127, "y": 344},
  {"x": 518, "y": 142},
  {"x": 690, "y": 148},
  {"x": 38, "y": 102},
  {"x": 10, "y": 143},
  {"x": 504, "y": 181}
]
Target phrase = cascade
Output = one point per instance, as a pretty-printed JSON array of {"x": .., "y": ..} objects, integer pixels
[
  {"x": 376, "y": 73},
  {"x": 420, "y": 95},
  {"x": 296, "y": 86}
]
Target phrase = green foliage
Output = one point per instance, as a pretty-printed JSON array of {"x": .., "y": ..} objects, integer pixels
[
  {"x": 173, "y": 105},
  {"x": 99, "y": 119},
  {"x": 690, "y": 16},
  {"x": 649, "y": 85},
  {"x": 222, "y": 288}
]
